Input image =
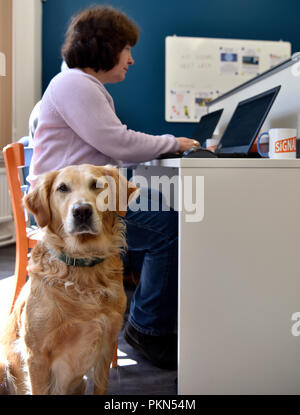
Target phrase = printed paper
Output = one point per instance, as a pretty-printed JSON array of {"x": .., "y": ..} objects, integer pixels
[
  {"x": 180, "y": 103},
  {"x": 201, "y": 99},
  {"x": 250, "y": 62},
  {"x": 229, "y": 61}
]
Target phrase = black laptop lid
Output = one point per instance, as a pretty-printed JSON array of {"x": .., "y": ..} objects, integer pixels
[
  {"x": 246, "y": 122},
  {"x": 206, "y": 126}
]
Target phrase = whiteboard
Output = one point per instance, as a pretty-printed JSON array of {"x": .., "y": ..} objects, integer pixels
[{"x": 199, "y": 70}]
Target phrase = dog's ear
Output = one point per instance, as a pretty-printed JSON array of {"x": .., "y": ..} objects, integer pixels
[
  {"x": 37, "y": 201},
  {"x": 127, "y": 192}
]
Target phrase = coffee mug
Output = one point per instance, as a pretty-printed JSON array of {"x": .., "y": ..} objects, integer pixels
[{"x": 282, "y": 143}]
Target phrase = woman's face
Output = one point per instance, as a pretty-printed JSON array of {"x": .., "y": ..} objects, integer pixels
[{"x": 118, "y": 72}]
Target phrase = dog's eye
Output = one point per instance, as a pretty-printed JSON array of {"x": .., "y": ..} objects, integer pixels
[
  {"x": 63, "y": 188},
  {"x": 94, "y": 185}
]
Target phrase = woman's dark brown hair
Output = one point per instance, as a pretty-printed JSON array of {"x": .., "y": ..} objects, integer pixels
[{"x": 96, "y": 36}]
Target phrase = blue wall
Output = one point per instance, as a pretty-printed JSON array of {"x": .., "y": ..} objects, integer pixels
[{"x": 139, "y": 100}]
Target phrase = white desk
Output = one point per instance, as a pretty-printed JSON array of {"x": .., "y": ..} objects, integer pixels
[{"x": 239, "y": 278}]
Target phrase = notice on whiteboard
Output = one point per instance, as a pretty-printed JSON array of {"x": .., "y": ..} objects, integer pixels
[
  {"x": 200, "y": 101},
  {"x": 229, "y": 61},
  {"x": 276, "y": 59},
  {"x": 180, "y": 102},
  {"x": 250, "y": 61}
]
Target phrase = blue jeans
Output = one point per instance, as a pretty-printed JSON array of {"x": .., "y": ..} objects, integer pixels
[{"x": 153, "y": 308}]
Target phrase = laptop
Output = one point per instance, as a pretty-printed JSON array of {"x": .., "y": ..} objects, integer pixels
[
  {"x": 206, "y": 126},
  {"x": 204, "y": 129},
  {"x": 245, "y": 124}
]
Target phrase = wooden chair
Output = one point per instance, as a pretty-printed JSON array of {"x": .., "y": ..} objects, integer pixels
[{"x": 26, "y": 237}]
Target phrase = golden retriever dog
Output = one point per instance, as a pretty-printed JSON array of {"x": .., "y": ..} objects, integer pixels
[{"x": 66, "y": 320}]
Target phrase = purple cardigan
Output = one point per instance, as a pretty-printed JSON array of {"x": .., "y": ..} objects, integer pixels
[{"x": 78, "y": 124}]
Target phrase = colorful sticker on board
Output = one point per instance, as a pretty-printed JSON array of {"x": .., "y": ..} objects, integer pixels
[{"x": 180, "y": 104}]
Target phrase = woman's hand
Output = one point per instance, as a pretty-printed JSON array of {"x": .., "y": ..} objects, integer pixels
[{"x": 186, "y": 143}]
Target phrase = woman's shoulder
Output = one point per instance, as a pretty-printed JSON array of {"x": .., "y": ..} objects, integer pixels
[
  {"x": 74, "y": 76},
  {"x": 73, "y": 83}
]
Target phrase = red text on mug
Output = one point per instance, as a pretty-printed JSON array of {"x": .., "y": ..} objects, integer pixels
[{"x": 287, "y": 145}]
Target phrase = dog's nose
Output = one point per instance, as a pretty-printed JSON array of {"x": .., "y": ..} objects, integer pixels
[{"x": 82, "y": 212}]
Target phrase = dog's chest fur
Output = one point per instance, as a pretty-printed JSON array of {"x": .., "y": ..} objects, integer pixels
[
  {"x": 75, "y": 293},
  {"x": 73, "y": 311}
]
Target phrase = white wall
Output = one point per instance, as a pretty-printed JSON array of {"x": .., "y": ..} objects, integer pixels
[{"x": 27, "y": 62}]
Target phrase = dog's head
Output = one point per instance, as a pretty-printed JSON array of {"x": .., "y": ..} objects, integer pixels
[{"x": 80, "y": 201}]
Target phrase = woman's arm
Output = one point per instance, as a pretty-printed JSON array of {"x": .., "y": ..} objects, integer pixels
[{"x": 84, "y": 105}]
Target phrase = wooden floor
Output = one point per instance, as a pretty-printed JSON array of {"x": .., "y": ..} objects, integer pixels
[{"x": 134, "y": 376}]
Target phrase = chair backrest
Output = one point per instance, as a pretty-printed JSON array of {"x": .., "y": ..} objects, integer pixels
[{"x": 14, "y": 159}]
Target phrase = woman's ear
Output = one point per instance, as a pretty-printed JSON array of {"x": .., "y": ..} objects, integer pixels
[{"x": 37, "y": 201}]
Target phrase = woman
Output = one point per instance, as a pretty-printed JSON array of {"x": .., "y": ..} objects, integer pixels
[{"x": 78, "y": 124}]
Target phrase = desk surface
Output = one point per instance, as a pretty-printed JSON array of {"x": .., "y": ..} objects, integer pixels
[{"x": 225, "y": 162}]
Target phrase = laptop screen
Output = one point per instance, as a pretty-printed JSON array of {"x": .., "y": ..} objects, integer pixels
[
  {"x": 206, "y": 126},
  {"x": 246, "y": 122}
]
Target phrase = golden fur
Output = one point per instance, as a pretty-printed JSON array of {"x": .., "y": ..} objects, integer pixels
[{"x": 66, "y": 320}]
